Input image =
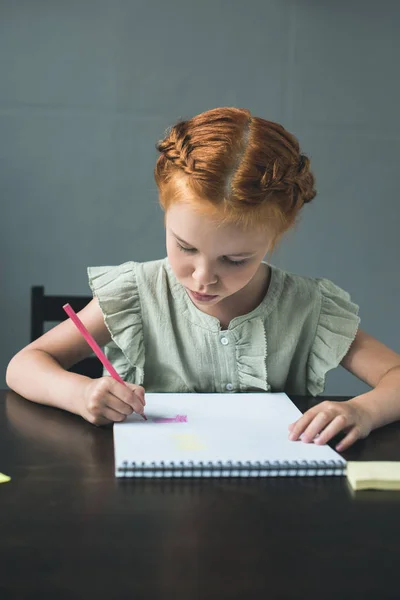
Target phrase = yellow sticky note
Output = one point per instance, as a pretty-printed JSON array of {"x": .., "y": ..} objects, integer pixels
[
  {"x": 4, "y": 478},
  {"x": 375, "y": 475},
  {"x": 188, "y": 441}
]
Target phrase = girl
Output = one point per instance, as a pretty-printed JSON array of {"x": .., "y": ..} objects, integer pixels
[{"x": 213, "y": 316}]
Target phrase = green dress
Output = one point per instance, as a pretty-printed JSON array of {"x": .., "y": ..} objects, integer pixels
[{"x": 302, "y": 328}]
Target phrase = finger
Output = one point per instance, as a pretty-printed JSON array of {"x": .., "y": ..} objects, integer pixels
[
  {"x": 138, "y": 390},
  {"x": 113, "y": 416},
  {"x": 299, "y": 426},
  {"x": 118, "y": 405},
  {"x": 347, "y": 441},
  {"x": 128, "y": 396},
  {"x": 99, "y": 420},
  {"x": 316, "y": 426},
  {"x": 334, "y": 427}
]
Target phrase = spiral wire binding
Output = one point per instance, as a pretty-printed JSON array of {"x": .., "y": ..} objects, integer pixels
[{"x": 230, "y": 469}]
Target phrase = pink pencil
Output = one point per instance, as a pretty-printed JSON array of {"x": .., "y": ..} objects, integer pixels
[{"x": 94, "y": 345}]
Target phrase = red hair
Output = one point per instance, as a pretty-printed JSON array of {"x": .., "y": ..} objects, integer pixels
[{"x": 237, "y": 168}]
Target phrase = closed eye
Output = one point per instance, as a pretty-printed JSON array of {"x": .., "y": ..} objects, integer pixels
[{"x": 236, "y": 263}]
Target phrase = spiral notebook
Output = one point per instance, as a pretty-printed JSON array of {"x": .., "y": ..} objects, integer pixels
[{"x": 218, "y": 435}]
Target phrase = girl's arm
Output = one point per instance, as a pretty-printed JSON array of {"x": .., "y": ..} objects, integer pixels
[
  {"x": 378, "y": 366},
  {"x": 39, "y": 373}
]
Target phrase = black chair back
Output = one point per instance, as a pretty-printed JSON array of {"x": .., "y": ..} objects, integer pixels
[{"x": 45, "y": 309}]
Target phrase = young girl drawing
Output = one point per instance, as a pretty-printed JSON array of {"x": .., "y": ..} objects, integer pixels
[{"x": 213, "y": 316}]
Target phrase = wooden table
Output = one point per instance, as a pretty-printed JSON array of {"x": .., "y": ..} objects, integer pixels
[{"x": 69, "y": 529}]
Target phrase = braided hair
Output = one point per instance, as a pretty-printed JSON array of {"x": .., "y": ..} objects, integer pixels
[{"x": 239, "y": 168}]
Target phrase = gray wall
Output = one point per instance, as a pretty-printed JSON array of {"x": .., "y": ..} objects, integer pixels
[{"x": 88, "y": 87}]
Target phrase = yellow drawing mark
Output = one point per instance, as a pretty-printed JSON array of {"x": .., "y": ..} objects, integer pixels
[
  {"x": 4, "y": 478},
  {"x": 188, "y": 441}
]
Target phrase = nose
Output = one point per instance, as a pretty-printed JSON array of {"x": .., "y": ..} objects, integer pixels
[{"x": 204, "y": 275}]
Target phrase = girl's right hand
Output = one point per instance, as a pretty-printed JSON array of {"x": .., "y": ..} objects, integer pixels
[{"x": 105, "y": 400}]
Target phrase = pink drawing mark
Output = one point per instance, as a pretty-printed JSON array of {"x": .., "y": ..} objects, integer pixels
[{"x": 177, "y": 419}]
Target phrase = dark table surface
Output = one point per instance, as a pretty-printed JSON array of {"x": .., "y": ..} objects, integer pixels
[{"x": 69, "y": 529}]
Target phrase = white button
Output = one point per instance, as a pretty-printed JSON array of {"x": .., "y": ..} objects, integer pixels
[
  {"x": 229, "y": 387},
  {"x": 224, "y": 341}
]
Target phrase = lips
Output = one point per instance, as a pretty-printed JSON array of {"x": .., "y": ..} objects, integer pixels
[{"x": 203, "y": 297}]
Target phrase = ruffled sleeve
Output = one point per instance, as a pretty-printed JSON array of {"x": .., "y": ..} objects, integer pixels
[
  {"x": 118, "y": 296},
  {"x": 336, "y": 329}
]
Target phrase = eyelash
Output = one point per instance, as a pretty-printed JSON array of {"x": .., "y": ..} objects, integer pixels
[{"x": 236, "y": 263}]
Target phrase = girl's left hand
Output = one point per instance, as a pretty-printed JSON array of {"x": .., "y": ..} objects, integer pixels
[{"x": 328, "y": 418}]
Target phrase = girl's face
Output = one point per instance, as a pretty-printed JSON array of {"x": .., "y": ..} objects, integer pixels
[{"x": 212, "y": 262}]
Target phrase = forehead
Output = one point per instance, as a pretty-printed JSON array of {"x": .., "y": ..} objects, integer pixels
[{"x": 200, "y": 230}]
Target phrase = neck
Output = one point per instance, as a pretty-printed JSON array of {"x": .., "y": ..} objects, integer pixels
[{"x": 244, "y": 301}]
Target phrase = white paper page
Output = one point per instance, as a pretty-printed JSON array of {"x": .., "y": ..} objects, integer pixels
[{"x": 220, "y": 427}]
